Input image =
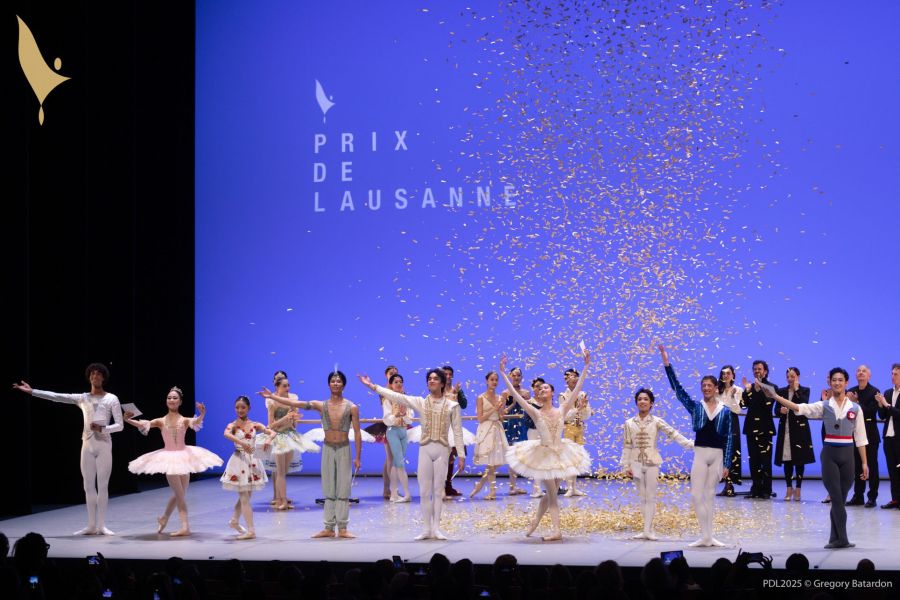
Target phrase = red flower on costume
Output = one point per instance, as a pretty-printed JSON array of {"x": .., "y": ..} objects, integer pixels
[
  {"x": 256, "y": 478},
  {"x": 234, "y": 478}
]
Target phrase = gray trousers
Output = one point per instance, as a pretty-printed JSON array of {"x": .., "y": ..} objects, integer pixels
[
  {"x": 336, "y": 485},
  {"x": 837, "y": 476}
]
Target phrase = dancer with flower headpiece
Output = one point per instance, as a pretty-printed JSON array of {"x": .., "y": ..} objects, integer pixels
[
  {"x": 176, "y": 460},
  {"x": 338, "y": 416}
]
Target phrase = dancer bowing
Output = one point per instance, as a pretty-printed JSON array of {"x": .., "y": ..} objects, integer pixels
[
  {"x": 844, "y": 425},
  {"x": 438, "y": 414},
  {"x": 338, "y": 416},
  {"x": 176, "y": 460},
  {"x": 97, "y": 407},
  {"x": 490, "y": 440},
  {"x": 711, "y": 422},
  {"x": 244, "y": 472},
  {"x": 551, "y": 458},
  {"x": 641, "y": 458}
]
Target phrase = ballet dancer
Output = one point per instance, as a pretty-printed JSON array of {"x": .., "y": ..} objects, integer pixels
[
  {"x": 283, "y": 454},
  {"x": 845, "y": 425},
  {"x": 729, "y": 395},
  {"x": 574, "y": 422},
  {"x": 550, "y": 458},
  {"x": 97, "y": 406},
  {"x": 490, "y": 440},
  {"x": 641, "y": 458},
  {"x": 176, "y": 460},
  {"x": 338, "y": 416},
  {"x": 379, "y": 432},
  {"x": 711, "y": 423},
  {"x": 515, "y": 429},
  {"x": 438, "y": 413},
  {"x": 397, "y": 418},
  {"x": 531, "y": 432},
  {"x": 244, "y": 472}
]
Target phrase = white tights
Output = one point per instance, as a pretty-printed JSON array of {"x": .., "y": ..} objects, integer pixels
[
  {"x": 646, "y": 479},
  {"x": 432, "y": 474},
  {"x": 243, "y": 508},
  {"x": 96, "y": 465},
  {"x": 705, "y": 474},
  {"x": 179, "y": 485},
  {"x": 549, "y": 501}
]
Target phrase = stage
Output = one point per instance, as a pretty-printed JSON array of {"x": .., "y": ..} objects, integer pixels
[{"x": 596, "y": 527}]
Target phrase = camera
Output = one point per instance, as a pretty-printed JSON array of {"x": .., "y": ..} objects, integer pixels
[
  {"x": 668, "y": 557},
  {"x": 93, "y": 560},
  {"x": 754, "y": 556}
]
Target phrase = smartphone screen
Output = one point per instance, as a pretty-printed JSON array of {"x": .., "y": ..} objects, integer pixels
[{"x": 668, "y": 557}]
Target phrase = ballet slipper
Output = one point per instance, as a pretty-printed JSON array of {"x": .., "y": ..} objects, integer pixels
[
  {"x": 532, "y": 527},
  {"x": 247, "y": 535},
  {"x": 701, "y": 543},
  {"x": 89, "y": 530},
  {"x": 492, "y": 495},
  {"x": 280, "y": 507},
  {"x": 650, "y": 535},
  {"x": 325, "y": 533},
  {"x": 425, "y": 535},
  {"x": 537, "y": 494},
  {"x": 438, "y": 535},
  {"x": 576, "y": 492},
  {"x": 162, "y": 521},
  {"x": 478, "y": 485},
  {"x": 569, "y": 493},
  {"x": 105, "y": 531},
  {"x": 403, "y": 499},
  {"x": 343, "y": 533},
  {"x": 716, "y": 543},
  {"x": 556, "y": 537},
  {"x": 639, "y": 536},
  {"x": 516, "y": 491},
  {"x": 234, "y": 524}
]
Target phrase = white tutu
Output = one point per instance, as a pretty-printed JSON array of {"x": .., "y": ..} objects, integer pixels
[
  {"x": 490, "y": 444},
  {"x": 283, "y": 443},
  {"x": 192, "y": 459},
  {"x": 318, "y": 435},
  {"x": 414, "y": 436},
  {"x": 536, "y": 461},
  {"x": 243, "y": 473}
]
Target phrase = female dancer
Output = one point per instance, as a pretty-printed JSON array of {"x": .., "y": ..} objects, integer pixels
[
  {"x": 176, "y": 460},
  {"x": 490, "y": 441},
  {"x": 279, "y": 458},
  {"x": 551, "y": 458},
  {"x": 97, "y": 407},
  {"x": 640, "y": 456},
  {"x": 338, "y": 416},
  {"x": 397, "y": 418},
  {"x": 793, "y": 446},
  {"x": 844, "y": 424},
  {"x": 244, "y": 472},
  {"x": 516, "y": 429},
  {"x": 438, "y": 414},
  {"x": 712, "y": 447},
  {"x": 730, "y": 396}
]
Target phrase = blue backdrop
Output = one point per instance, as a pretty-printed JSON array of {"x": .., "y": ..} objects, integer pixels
[{"x": 418, "y": 185}]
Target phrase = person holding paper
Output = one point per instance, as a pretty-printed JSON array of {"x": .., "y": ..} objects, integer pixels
[
  {"x": 98, "y": 407},
  {"x": 844, "y": 424},
  {"x": 550, "y": 458},
  {"x": 438, "y": 413},
  {"x": 711, "y": 422},
  {"x": 176, "y": 460}
]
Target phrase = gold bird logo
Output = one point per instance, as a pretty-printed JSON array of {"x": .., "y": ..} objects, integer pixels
[{"x": 41, "y": 77}]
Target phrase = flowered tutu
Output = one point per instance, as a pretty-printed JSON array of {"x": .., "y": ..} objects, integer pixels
[{"x": 243, "y": 473}]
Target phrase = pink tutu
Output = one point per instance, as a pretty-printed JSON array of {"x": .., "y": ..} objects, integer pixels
[{"x": 175, "y": 462}]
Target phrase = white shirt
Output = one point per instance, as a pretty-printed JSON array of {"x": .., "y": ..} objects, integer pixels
[
  {"x": 890, "y": 429},
  {"x": 817, "y": 409},
  {"x": 733, "y": 403},
  {"x": 640, "y": 440},
  {"x": 96, "y": 409},
  {"x": 575, "y": 413}
]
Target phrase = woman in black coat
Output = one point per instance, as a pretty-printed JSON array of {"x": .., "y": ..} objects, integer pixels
[{"x": 799, "y": 448}]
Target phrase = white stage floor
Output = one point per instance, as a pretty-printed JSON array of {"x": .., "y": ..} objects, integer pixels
[{"x": 596, "y": 528}]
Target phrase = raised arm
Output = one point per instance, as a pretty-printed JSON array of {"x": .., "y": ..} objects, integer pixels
[
  {"x": 304, "y": 404},
  {"x": 680, "y": 393},
  {"x": 52, "y": 396},
  {"x": 576, "y": 391},
  {"x": 408, "y": 401},
  {"x": 196, "y": 423},
  {"x": 529, "y": 409}
]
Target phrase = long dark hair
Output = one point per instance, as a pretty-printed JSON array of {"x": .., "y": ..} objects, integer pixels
[{"x": 721, "y": 382}]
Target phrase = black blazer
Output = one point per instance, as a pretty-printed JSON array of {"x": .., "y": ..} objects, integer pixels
[
  {"x": 759, "y": 412},
  {"x": 889, "y": 413},
  {"x": 801, "y": 439}
]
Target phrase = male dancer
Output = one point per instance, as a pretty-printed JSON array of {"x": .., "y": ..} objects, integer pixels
[
  {"x": 460, "y": 399},
  {"x": 574, "y": 422},
  {"x": 864, "y": 394},
  {"x": 711, "y": 422},
  {"x": 759, "y": 427},
  {"x": 97, "y": 407},
  {"x": 889, "y": 409}
]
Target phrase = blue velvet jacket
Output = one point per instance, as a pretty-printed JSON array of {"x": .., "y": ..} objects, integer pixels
[{"x": 699, "y": 417}]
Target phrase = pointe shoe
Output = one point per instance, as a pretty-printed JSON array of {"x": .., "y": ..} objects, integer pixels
[
  {"x": 639, "y": 536},
  {"x": 438, "y": 535},
  {"x": 478, "y": 485},
  {"x": 569, "y": 493},
  {"x": 788, "y": 494},
  {"x": 515, "y": 491},
  {"x": 425, "y": 535},
  {"x": 556, "y": 537},
  {"x": 105, "y": 531},
  {"x": 537, "y": 494},
  {"x": 247, "y": 535},
  {"x": 234, "y": 524},
  {"x": 492, "y": 495},
  {"x": 162, "y": 522},
  {"x": 532, "y": 528},
  {"x": 701, "y": 543},
  {"x": 403, "y": 499},
  {"x": 183, "y": 532},
  {"x": 578, "y": 492},
  {"x": 716, "y": 543},
  {"x": 89, "y": 530}
]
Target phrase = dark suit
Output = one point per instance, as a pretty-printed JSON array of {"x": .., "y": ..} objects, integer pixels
[
  {"x": 869, "y": 405},
  {"x": 759, "y": 429},
  {"x": 892, "y": 444}
]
